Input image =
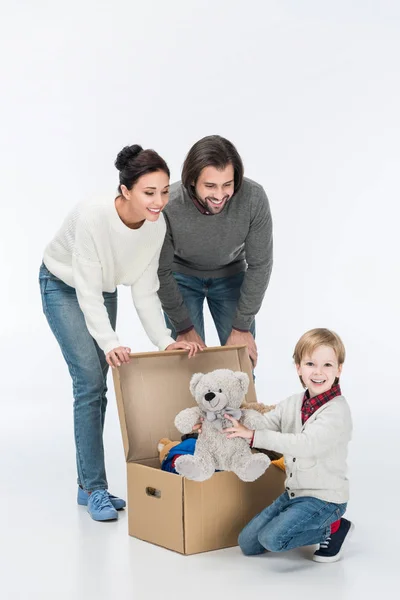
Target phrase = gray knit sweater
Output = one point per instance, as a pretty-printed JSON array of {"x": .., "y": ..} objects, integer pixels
[
  {"x": 207, "y": 246},
  {"x": 316, "y": 452}
]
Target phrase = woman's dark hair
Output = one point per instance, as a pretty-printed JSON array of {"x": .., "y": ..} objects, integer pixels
[
  {"x": 133, "y": 162},
  {"x": 211, "y": 151}
]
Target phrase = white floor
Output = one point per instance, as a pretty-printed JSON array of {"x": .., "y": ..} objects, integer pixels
[
  {"x": 50, "y": 547},
  {"x": 309, "y": 92}
]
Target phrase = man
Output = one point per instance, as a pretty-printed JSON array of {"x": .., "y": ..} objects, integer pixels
[{"x": 218, "y": 246}]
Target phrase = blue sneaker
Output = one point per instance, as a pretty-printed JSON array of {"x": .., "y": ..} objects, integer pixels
[
  {"x": 331, "y": 549},
  {"x": 99, "y": 506},
  {"x": 83, "y": 498}
]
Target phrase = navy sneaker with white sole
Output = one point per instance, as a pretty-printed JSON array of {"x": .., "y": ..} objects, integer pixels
[{"x": 331, "y": 549}]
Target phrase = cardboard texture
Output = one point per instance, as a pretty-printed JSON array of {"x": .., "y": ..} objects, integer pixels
[{"x": 164, "y": 508}]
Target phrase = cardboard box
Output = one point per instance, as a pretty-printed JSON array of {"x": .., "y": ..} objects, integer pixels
[{"x": 164, "y": 508}]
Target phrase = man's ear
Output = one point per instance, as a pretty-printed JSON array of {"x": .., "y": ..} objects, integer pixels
[
  {"x": 243, "y": 380},
  {"x": 194, "y": 381}
]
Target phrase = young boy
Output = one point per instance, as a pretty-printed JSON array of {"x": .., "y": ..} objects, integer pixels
[{"x": 312, "y": 430}]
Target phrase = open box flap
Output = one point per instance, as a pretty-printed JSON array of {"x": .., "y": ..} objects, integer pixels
[{"x": 154, "y": 387}]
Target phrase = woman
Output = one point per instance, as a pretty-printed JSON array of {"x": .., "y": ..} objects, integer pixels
[{"x": 99, "y": 246}]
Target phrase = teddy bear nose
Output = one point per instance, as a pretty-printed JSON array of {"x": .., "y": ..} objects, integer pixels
[{"x": 209, "y": 396}]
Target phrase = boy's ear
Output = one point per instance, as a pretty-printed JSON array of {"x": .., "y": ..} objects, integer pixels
[{"x": 298, "y": 369}]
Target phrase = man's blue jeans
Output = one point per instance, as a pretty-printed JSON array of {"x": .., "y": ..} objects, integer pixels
[
  {"x": 88, "y": 369},
  {"x": 290, "y": 523},
  {"x": 222, "y": 296}
]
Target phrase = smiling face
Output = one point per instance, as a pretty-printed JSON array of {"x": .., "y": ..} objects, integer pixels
[
  {"x": 319, "y": 370},
  {"x": 146, "y": 199},
  {"x": 214, "y": 187}
]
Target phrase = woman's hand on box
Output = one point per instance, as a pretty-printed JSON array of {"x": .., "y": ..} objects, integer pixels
[
  {"x": 117, "y": 356},
  {"x": 191, "y": 347}
]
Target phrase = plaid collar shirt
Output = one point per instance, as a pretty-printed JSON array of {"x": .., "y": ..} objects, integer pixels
[{"x": 310, "y": 405}]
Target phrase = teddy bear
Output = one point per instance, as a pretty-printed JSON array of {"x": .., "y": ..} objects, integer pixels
[
  {"x": 164, "y": 446},
  {"x": 218, "y": 393}
]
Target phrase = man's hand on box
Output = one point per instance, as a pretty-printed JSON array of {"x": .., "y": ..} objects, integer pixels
[
  {"x": 244, "y": 338},
  {"x": 191, "y": 336}
]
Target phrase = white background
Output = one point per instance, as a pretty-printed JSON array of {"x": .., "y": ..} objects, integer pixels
[{"x": 309, "y": 93}]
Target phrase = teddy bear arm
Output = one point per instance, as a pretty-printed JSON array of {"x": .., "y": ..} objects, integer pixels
[
  {"x": 187, "y": 418},
  {"x": 253, "y": 419}
]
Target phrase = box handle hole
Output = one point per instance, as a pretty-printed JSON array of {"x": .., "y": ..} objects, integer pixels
[{"x": 150, "y": 491}]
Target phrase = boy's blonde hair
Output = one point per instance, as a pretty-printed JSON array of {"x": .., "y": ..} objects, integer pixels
[{"x": 319, "y": 337}]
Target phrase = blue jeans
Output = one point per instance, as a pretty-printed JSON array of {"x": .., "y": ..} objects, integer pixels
[
  {"x": 88, "y": 369},
  {"x": 222, "y": 295},
  {"x": 290, "y": 523}
]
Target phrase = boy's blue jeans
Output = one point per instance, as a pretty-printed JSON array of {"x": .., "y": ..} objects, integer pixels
[
  {"x": 88, "y": 369},
  {"x": 290, "y": 523},
  {"x": 222, "y": 295}
]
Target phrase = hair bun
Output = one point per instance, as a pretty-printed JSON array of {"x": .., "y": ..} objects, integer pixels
[{"x": 126, "y": 155}]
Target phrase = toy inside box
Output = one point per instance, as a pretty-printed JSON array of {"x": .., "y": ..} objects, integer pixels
[{"x": 164, "y": 508}]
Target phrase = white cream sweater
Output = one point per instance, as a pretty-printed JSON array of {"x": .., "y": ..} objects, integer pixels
[
  {"x": 94, "y": 251},
  {"x": 315, "y": 453}
]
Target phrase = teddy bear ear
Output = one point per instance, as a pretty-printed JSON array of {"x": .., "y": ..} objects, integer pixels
[
  {"x": 194, "y": 381},
  {"x": 243, "y": 380}
]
